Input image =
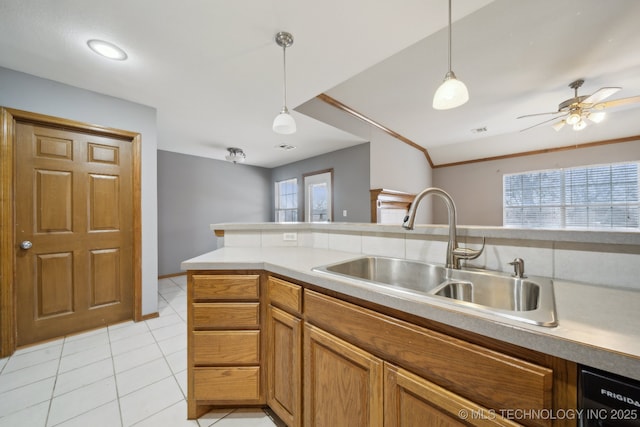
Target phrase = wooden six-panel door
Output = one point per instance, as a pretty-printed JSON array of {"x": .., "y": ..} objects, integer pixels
[{"x": 74, "y": 228}]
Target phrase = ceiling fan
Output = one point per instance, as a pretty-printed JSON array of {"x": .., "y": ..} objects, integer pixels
[{"x": 575, "y": 111}]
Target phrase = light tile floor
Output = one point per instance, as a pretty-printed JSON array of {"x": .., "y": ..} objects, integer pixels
[{"x": 122, "y": 375}]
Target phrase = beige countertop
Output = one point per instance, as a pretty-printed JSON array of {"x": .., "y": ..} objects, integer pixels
[{"x": 598, "y": 326}]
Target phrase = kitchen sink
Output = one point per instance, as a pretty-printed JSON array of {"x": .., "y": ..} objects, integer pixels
[
  {"x": 530, "y": 300},
  {"x": 505, "y": 293},
  {"x": 412, "y": 275}
]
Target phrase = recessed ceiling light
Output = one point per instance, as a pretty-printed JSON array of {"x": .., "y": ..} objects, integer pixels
[{"x": 106, "y": 49}]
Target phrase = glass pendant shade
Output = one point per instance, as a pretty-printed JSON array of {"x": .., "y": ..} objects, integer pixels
[
  {"x": 451, "y": 93},
  {"x": 284, "y": 123}
]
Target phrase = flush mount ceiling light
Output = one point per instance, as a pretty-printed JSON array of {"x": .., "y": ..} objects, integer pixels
[
  {"x": 284, "y": 122},
  {"x": 452, "y": 92},
  {"x": 106, "y": 49},
  {"x": 236, "y": 155}
]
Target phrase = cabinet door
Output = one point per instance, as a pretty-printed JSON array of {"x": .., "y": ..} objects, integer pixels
[
  {"x": 342, "y": 383},
  {"x": 284, "y": 366},
  {"x": 412, "y": 401}
]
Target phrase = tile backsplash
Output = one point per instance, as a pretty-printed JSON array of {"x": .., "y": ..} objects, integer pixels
[{"x": 614, "y": 265}]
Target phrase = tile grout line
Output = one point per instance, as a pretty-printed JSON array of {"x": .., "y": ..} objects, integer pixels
[
  {"x": 164, "y": 357},
  {"x": 115, "y": 378},
  {"x": 55, "y": 381}
]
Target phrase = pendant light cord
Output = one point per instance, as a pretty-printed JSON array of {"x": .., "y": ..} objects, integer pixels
[
  {"x": 449, "y": 35},
  {"x": 284, "y": 80}
]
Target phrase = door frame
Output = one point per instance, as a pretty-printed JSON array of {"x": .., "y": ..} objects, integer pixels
[{"x": 8, "y": 119}]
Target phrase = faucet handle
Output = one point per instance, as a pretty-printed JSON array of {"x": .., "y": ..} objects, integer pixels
[{"x": 468, "y": 253}]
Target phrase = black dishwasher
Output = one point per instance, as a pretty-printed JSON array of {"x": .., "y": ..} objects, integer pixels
[{"x": 608, "y": 400}]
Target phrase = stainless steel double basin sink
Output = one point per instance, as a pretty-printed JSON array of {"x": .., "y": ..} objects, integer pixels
[{"x": 530, "y": 300}]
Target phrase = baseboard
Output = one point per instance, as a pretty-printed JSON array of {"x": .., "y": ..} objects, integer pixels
[{"x": 150, "y": 316}]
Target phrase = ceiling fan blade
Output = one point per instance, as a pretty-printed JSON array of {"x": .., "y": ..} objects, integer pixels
[
  {"x": 616, "y": 102},
  {"x": 600, "y": 94},
  {"x": 539, "y": 114},
  {"x": 541, "y": 123}
]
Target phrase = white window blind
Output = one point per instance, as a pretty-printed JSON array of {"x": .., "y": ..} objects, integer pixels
[
  {"x": 286, "y": 200},
  {"x": 601, "y": 196}
]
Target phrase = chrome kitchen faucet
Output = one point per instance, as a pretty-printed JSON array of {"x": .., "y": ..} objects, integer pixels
[{"x": 454, "y": 252}]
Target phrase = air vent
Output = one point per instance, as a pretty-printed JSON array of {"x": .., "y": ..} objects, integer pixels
[
  {"x": 479, "y": 130},
  {"x": 285, "y": 147}
]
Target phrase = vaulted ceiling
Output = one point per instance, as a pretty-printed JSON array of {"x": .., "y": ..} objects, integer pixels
[{"x": 214, "y": 73}]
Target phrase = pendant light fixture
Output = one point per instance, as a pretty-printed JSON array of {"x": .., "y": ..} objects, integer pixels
[
  {"x": 452, "y": 92},
  {"x": 284, "y": 122}
]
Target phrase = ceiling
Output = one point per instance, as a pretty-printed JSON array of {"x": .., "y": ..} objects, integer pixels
[{"x": 212, "y": 69}]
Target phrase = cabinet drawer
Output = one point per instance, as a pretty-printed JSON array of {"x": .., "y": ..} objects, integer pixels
[
  {"x": 285, "y": 295},
  {"x": 226, "y": 315},
  {"x": 226, "y": 287},
  {"x": 227, "y": 384},
  {"x": 226, "y": 347}
]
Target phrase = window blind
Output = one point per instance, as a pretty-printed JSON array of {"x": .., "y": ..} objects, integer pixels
[{"x": 600, "y": 196}]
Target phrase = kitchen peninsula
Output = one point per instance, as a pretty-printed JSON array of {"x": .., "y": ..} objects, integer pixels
[{"x": 284, "y": 324}]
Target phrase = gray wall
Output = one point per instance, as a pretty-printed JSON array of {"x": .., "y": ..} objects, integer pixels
[
  {"x": 194, "y": 192},
  {"x": 476, "y": 188},
  {"x": 350, "y": 181},
  {"x": 26, "y": 92}
]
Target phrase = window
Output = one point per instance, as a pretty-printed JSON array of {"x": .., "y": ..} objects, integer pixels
[
  {"x": 286, "y": 202},
  {"x": 601, "y": 196}
]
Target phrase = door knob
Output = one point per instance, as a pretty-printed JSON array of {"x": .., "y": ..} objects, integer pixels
[{"x": 26, "y": 245}]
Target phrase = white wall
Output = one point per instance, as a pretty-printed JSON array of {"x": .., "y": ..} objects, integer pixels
[
  {"x": 26, "y": 92},
  {"x": 394, "y": 164},
  {"x": 476, "y": 188},
  {"x": 398, "y": 166}
]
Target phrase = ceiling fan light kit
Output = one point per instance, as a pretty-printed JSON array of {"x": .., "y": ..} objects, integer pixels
[
  {"x": 452, "y": 92},
  {"x": 580, "y": 125},
  {"x": 559, "y": 125},
  {"x": 284, "y": 122},
  {"x": 575, "y": 111}
]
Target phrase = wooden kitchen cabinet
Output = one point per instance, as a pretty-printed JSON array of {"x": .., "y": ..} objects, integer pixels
[
  {"x": 412, "y": 401},
  {"x": 223, "y": 341},
  {"x": 319, "y": 359},
  {"x": 284, "y": 351},
  {"x": 486, "y": 377},
  {"x": 342, "y": 383}
]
